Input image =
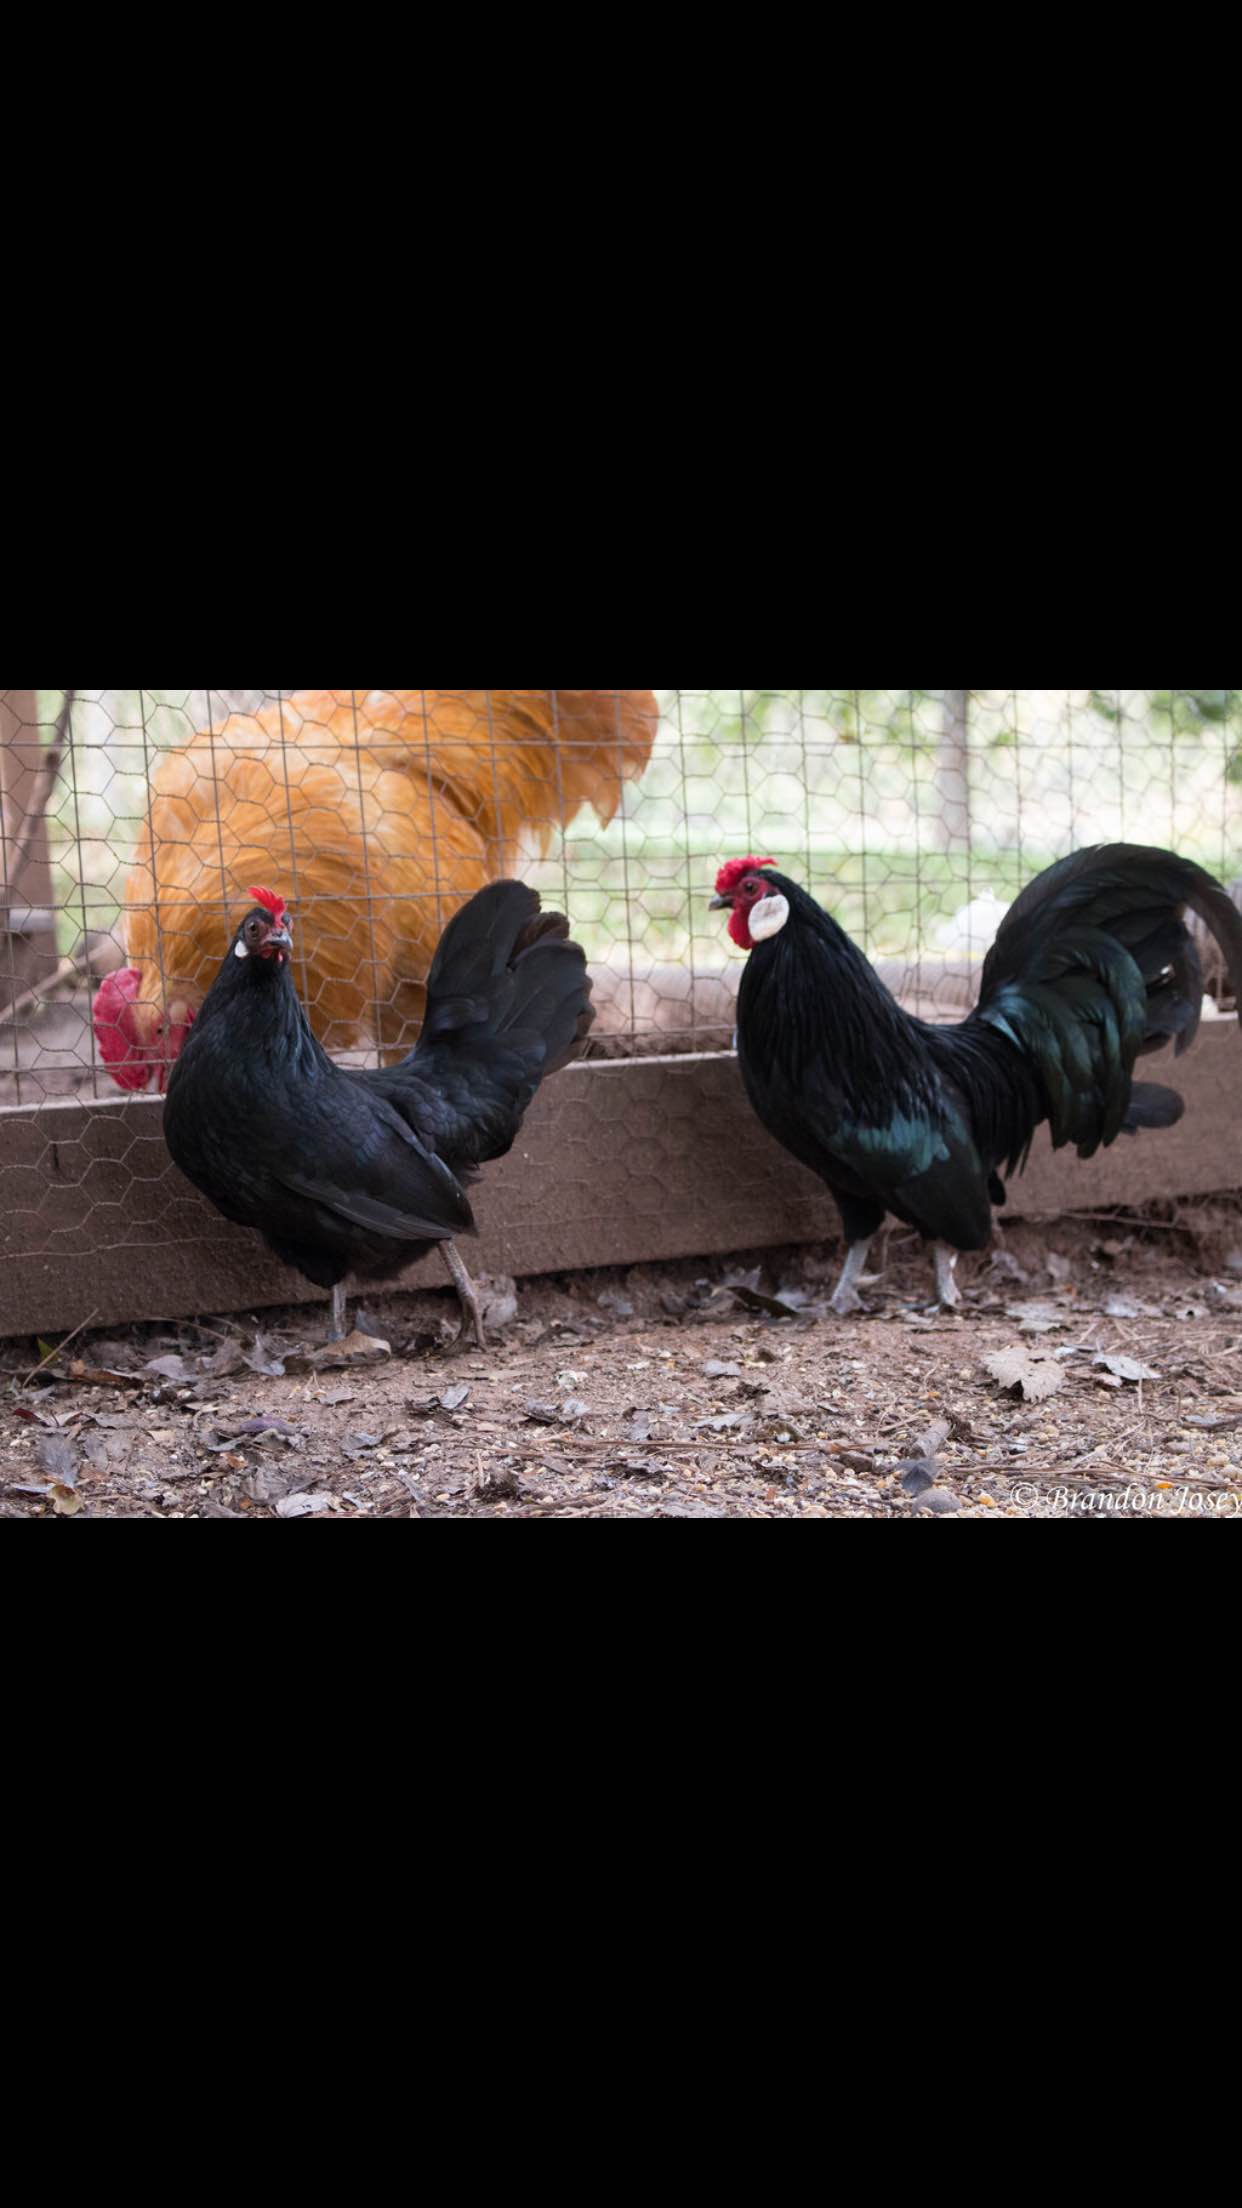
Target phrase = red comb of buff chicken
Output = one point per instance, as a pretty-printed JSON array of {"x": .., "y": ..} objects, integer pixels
[
  {"x": 135, "y": 1038},
  {"x": 1093, "y": 968},
  {"x": 362, "y": 1172}
]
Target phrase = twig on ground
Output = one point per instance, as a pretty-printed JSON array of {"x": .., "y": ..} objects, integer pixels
[
  {"x": 53, "y": 1354},
  {"x": 1128, "y": 1219}
]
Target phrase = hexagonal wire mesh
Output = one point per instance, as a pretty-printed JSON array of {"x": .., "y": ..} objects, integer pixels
[{"x": 132, "y": 828}]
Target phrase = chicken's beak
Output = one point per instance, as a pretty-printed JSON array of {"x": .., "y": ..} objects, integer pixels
[
  {"x": 280, "y": 939},
  {"x": 721, "y": 904}
]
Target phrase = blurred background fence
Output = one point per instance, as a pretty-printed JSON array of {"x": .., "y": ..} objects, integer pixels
[{"x": 133, "y": 821}]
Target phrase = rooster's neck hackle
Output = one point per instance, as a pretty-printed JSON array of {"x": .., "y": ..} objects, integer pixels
[{"x": 812, "y": 989}]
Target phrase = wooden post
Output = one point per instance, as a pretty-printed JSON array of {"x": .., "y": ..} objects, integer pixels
[{"x": 28, "y": 944}]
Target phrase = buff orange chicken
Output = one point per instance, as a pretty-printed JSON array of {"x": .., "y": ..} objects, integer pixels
[{"x": 383, "y": 811}]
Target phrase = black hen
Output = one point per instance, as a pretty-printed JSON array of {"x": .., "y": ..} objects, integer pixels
[
  {"x": 357, "y": 1172},
  {"x": 1093, "y": 968}
]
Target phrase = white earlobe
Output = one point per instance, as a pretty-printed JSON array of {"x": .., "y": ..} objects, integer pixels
[
  {"x": 768, "y": 918},
  {"x": 240, "y": 951}
]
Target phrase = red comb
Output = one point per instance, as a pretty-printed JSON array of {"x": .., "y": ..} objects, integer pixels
[
  {"x": 271, "y": 903},
  {"x": 730, "y": 875}
]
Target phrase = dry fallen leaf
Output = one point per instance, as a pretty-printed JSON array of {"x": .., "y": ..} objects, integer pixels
[
  {"x": 918, "y": 1476},
  {"x": 102, "y": 1376},
  {"x": 1126, "y": 1368},
  {"x": 268, "y": 1363},
  {"x": 227, "y": 1359},
  {"x": 1035, "y": 1378},
  {"x": 356, "y": 1349},
  {"x": 58, "y": 1459},
  {"x": 169, "y": 1368},
  {"x": 771, "y": 1306},
  {"x": 1037, "y": 1318}
]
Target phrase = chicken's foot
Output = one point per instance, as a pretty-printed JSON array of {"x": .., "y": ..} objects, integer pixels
[
  {"x": 846, "y": 1298},
  {"x": 948, "y": 1293},
  {"x": 466, "y": 1296}
]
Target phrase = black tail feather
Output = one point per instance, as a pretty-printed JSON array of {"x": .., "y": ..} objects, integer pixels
[
  {"x": 475, "y": 954},
  {"x": 1094, "y": 968},
  {"x": 508, "y": 1003}
]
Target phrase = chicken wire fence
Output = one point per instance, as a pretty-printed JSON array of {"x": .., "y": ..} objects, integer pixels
[{"x": 135, "y": 822}]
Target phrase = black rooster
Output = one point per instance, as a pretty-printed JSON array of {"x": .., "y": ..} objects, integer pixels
[
  {"x": 362, "y": 1172},
  {"x": 1093, "y": 968}
]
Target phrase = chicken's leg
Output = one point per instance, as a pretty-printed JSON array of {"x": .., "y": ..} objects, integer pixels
[
  {"x": 947, "y": 1290},
  {"x": 845, "y": 1296},
  {"x": 465, "y": 1293},
  {"x": 338, "y": 1328}
]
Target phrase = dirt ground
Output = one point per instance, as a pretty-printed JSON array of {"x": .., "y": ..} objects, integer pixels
[{"x": 674, "y": 1392}]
